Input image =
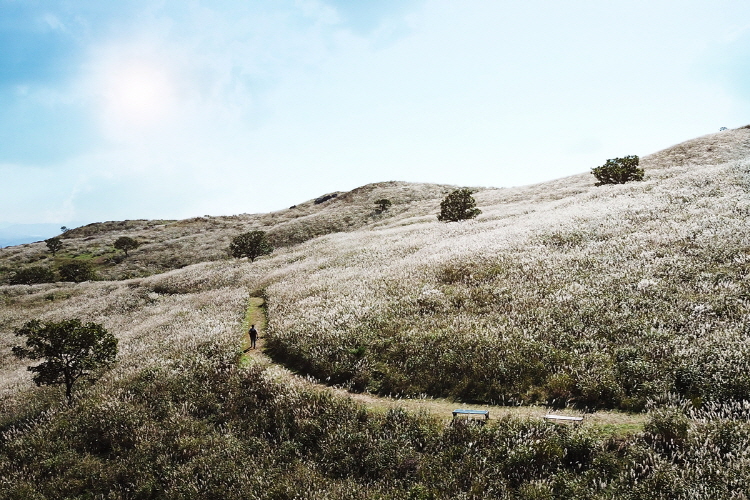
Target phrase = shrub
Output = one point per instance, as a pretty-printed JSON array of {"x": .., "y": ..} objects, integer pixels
[
  {"x": 126, "y": 243},
  {"x": 251, "y": 245},
  {"x": 458, "y": 205},
  {"x": 618, "y": 171},
  {"x": 33, "y": 275},
  {"x": 77, "y": 271},
  {"x": 325, "y": 198},
  {"x": 383, "y": 204}
]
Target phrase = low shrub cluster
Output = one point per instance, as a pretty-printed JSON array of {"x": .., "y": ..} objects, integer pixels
[
  {"x": 33, "y": 275},
  {"x": 77, "y": 271},
  {"x": 200, "y": 427}
]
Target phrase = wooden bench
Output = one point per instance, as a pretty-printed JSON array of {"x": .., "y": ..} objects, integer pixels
[
  {"x": 472, "y": 414},
  {"x": 562, "y": 418}
]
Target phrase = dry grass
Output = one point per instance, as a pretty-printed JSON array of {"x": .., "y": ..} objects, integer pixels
[
  {"x": 327, "y": 288},
  {"x": 168, "y": 244},
  {"x": 561, "y": 286}
]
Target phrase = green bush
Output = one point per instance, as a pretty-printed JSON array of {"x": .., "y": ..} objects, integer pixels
[
  {"x": 618, "y": 171},
  {"x": 458, "y": 205},
  {"x": 77, "y": 271},
  {"x": 33, "y": 275}
]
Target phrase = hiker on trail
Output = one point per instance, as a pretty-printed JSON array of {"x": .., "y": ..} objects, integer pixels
[{"x": 253, "y": 336}]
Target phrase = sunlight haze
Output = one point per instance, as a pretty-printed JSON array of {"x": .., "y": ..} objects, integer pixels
[{"x": 170, "y": 109}]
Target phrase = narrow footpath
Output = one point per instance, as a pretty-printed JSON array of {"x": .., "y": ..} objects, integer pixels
[{"x": 609, "y": 422}]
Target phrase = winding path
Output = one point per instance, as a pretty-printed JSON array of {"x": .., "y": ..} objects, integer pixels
[{"x": 610, "y": 422}]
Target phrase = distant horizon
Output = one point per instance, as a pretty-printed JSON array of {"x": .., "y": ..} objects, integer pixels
[{"x": 21, "y": 234}]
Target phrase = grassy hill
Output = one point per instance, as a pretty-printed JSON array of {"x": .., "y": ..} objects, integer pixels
[
  {"x": 632, "y": 296},
  {"x": 173, "y": 244}
]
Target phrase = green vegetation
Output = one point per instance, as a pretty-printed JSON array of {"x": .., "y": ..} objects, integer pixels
[
  {"x": 458, "y": 205},
  {"x": 33, "y": 275},
  {"x": 252, "y": 245},
  {"x": 618, "y": 171},
  {"x": 77, "y": 271},
  {"x": 201, "y": 427},
  {"x": 54, "y": 245},
  {"x": 383, "y": 204},
  {"x": 69, "y": 348},
  {"x": 126, "y": 243}
]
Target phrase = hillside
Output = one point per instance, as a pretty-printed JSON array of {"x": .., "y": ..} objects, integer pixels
[
  {"x": 173, "y": 244},
  {"x": 544, "y": 270},
  {"x": 630, "y": 297}
]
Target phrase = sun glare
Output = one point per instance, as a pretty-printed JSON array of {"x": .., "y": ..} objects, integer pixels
[{"x": 137, "y": 94}]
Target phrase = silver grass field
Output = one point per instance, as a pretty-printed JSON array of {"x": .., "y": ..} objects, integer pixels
[{"x": 632, "y": 297}]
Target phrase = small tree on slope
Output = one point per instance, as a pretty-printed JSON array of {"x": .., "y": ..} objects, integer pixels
[
  {"x": 126, "y": 243},
  {"x": 70, "y": 350},
  {"x": 251, "y": 245},
  {"x": 383, "y": 204},
  {"x": 54, "y": 245},
  {"x": 618, "y": 171},
  {"x": 458, "y": 205}
]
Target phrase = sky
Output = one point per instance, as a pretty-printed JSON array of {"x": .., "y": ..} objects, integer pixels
[{"x": 164, "y": 109}]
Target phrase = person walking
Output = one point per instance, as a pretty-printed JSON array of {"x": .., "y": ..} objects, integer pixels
[{"x": 253, "y": 336}]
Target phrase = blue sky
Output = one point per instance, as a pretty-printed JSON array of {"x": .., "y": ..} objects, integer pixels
[{"x": 172, "y": 109}]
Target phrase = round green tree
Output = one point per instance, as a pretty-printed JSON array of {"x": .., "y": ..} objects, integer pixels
[
  {"x": 458, "y": 205},
  {"x": 70, "y": 349},
  {"x": 252, "y": 245},
  {"x": 54, "y": 245},
  {"x": 126, "y": 243},
  {"x": 618, "y": 171}
]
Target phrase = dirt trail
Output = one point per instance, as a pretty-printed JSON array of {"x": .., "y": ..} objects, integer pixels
[{"x": 611, "y": 422}]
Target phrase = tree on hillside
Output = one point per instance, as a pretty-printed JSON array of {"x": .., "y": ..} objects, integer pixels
[
  {"x": 70, "y": 350},
  {"x": 126, "y": 243},
  {"x": 77, "y": 271},
  {"x": 33, "y": 275},
  {"x": 458, "y": 205},
  {"x": 251, "y": 245},
  {"x": 618, "y": 171},
  {"x": 383, "y": 204},
  {"x": 54, "y": 245}
]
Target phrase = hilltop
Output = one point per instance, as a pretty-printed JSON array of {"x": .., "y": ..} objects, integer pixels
[
  {"x": 632, "y": 297},
  {"x": 173, "y": 244}
]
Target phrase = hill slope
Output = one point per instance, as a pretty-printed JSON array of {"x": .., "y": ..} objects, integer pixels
[
  {"x": 170, "y": 244},
  {"x": 562, "y": 292}
]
